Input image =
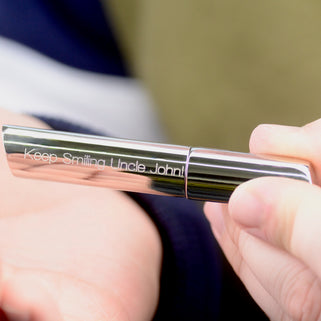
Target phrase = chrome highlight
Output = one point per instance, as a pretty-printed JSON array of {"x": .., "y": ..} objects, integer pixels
[{"x": 172, "y": 170}]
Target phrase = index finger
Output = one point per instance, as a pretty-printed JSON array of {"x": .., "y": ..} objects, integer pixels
[{"x": 296, "y": 142}]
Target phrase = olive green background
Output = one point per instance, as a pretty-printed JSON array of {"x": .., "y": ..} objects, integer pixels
[{"x": 216, "y": 69}]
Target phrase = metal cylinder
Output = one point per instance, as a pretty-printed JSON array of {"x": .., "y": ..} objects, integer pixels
[
  {"x": 195, "y": 173},
  {"x": 214, "y": 174},
  {"x": 94, "y": 160}
]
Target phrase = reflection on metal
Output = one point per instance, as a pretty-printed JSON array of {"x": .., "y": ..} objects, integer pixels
[{"x": 195, "y": 173}]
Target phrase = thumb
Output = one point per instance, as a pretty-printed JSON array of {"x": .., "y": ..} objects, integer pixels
[{"x": 285, "y": 213}]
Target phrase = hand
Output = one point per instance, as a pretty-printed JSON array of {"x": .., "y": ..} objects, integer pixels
[
  {"x": 270, "y": 230},
  {"x": 73, "y": 253}
]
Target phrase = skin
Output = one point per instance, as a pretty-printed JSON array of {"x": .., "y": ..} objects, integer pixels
[
  {"x": 72, "y": 252},
  {"x": 270, "y": 229}
]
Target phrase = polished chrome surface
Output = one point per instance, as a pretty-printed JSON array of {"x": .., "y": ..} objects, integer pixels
[
  {"x": 195, "y": 173},
  {"x": 94, "y": 160},
  {"x": 214, "y": 174}
]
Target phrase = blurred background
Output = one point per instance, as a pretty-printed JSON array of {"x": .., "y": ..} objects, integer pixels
[
  {"x": 201, "y": 73},
  {"x": 217, "y": 69}
]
